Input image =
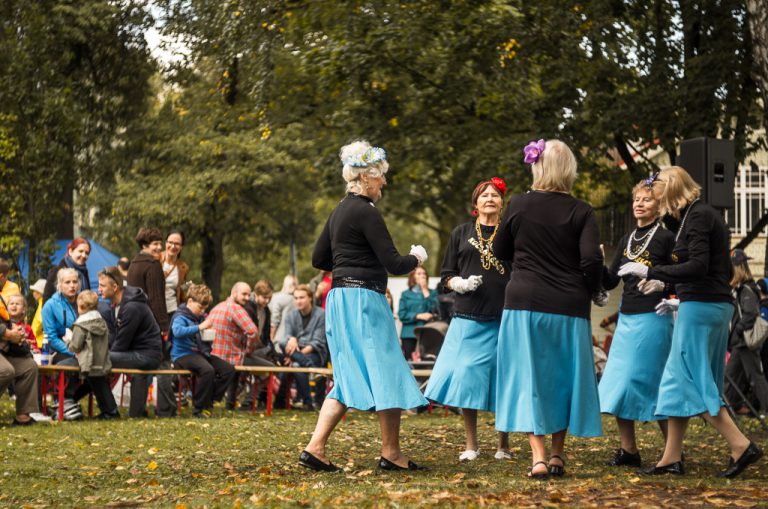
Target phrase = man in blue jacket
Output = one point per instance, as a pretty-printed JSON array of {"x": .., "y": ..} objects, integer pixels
[
  {"x": 304, "y": 343},
  {"x": 137, "y": 342}
]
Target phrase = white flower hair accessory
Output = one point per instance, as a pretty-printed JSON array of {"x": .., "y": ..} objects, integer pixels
[{"x": 371, "y": 156}]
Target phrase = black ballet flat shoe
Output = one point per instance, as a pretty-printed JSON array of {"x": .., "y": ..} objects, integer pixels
[
  {"x": 752, "y": 454},
  {"x": 17, "y": 422},
  {"x": 307, "y": 460},
  {"x": 623, "y": 458},
  {"x": 556, "y": 470},
  {"x": 385, "y": 464},
  {"x": 675, "y": 468},
  {"x": 538, "y": 475}
]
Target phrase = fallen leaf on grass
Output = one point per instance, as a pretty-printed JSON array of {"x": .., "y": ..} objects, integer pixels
[{"x": 152, "y": 465}]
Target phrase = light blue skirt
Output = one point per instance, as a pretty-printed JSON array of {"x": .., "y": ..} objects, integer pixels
[
  {"x": 693, "y": 376},
  {"x": 369, "y": 370},
  {"x": 464, "y": 375},
  {"x": 629, "y": 387},
  {"x": 545, "y": 376}
]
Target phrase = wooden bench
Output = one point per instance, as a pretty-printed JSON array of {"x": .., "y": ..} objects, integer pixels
[{"x": 255, "y": 371}]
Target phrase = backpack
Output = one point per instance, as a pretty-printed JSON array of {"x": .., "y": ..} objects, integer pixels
[{"x": 756, "y": 336}]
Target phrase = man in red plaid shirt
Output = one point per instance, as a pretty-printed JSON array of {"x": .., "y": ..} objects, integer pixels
[{"x": 236, "y": 334}]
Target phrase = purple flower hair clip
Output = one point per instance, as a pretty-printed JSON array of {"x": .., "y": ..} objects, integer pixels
[
  {"x": 533, "y": 151},
  {"x": 650, "y": 180}
]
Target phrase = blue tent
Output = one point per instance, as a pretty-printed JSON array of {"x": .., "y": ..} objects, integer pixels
[{"x": 100, "y": 257}]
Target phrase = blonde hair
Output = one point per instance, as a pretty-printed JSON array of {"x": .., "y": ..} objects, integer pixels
[
  {"x": 63, "y": 273},
  {"x": 88, "y": 300},
  {"x": 679, "y": 190},
  {"x": 352, "y": 174},
  {"x": 556, "y": 168},
  {"x": 289, "y": 283},
  {"x": 741, "y": 275},
  {"x": 656, "y": 189},
  {"x": 18, "y": 296}
]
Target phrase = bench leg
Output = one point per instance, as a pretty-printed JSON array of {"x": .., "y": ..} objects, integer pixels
[
  {"x": 90, "y": 404},
  {"x": 254, "y": 394},
  {"x": 44, "y": 393},
  {"x": 269, "y": 393},
  {"x": 61, "y": 396}
]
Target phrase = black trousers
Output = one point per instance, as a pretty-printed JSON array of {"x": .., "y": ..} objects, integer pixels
[
  {"x": 746, "y": 370},
  {"x": 409, "y": 346},
  {"x": 214, "y": 377},
  {"x": 103, "y": 394}
]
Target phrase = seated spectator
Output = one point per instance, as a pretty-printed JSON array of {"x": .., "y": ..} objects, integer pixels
[
  {"x": 279, "y": 306},
  {"x": 418, "y": 305},
  {"x": 7, "y": 287},
  {"x": 137, "y": 341},
  {"x": 305, "y": 344},
  {"x": 59, "y": 313},
  {"x": 214, "y": 375},
  {"x": 37, "y": 321},
  {"x": 17, "y": 312},
  {"x": 90, "y": 343},
  {"x": 236, "y": 334},
  {"x": 18, "y": 367},
  {"x": 264, "y": 354},
  {"x": 78, "y": 252}
]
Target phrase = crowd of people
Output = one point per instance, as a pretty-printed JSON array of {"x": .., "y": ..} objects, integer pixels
[{"x": 524, "y": 279}]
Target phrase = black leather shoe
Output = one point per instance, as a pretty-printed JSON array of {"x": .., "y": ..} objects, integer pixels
[
  {"x": 385, "y": 464},
  {"x": 752, "y": 454},
  {"x": 676, "y": 468},
  {"x": 556, "y": 470},
  {"x": 623, "y": 458},
  {"x": 309, "y": 461}
]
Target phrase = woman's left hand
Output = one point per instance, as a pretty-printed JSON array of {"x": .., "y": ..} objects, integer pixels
[{"x": 634, "y": 269}]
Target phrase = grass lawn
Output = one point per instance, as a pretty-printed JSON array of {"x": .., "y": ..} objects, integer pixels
[{"x": 236, "y": 460}]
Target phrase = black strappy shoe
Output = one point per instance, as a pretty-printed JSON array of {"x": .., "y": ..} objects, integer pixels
[
  {"x": 538, "y": 475},
  {"x": 385, "y": 464},
  {"x": 556, "y": 470}
]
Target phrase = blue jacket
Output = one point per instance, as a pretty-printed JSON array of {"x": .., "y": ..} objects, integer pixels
[
  {"x": 185, "y": 333},
  {"x": 58, "y": 315},
  {"x": 413, "y": 303}
]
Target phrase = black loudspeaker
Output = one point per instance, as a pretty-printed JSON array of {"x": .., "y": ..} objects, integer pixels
[{"x": 712, "y": 164}]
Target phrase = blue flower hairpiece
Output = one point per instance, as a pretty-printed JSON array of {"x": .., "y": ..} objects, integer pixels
[
  {"x": 650, "y": 180},
  {"x": 371, "y": 156}
]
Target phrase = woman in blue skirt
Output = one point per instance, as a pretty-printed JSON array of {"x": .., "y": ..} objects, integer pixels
[
  {"x": 464, "y": 375},
  {"x": 545, "y": 379},
  {"x": 628, "y": 388},
  {"x": 369, "y": 370},
  {"x": 692, "y": 381}
]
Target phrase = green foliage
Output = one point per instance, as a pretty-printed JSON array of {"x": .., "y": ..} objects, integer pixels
[{"x": 73, "y": 78}]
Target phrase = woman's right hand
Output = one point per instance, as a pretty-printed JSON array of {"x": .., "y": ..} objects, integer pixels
[
  {"x": 419, "y": 252},
  {"x": 425, "y": 317}
]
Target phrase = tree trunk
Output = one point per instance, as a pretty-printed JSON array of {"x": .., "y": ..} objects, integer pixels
[
  {"x": 213, "y": 259},
  {"x": 758, "y": 25}
]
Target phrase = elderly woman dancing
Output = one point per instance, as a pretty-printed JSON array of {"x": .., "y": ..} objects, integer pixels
[
  {"x": 369, "y": 370},
  {"x": 545, "y": 377},
  {"x": 693, "y": 375},
  {"x": 629, "y": 389},
  {"x": 465, "y": 372}
]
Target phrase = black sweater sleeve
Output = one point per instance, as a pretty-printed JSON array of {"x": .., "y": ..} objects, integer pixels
[
  {"x": 697, "y": 265},
  {"x": 322, "y": 256},
  {"x": 450, "y": 268},
  {"x": 377, "y": 235},
  {"x": 591, "y": 257},
  {"x": 504, "y": 242}
]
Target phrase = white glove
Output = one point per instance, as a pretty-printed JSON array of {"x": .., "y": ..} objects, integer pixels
[
  {"x": 420, "y": 253},
  {"x": 634, "y": 269},
  {"x": 470, "y": 284},
  {"x": 601, "y": 298},
  {"x": 667, "y": 306},
  {"x": 650, "y": 286}
]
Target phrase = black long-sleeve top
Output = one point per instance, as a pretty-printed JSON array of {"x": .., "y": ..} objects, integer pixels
[
  {"x": 553, "y": 242},
  {"x": 701, "y": 268},
  {"x": 658, "y": 252},
  {"x": 356, "y": 244},
  {"x": 462, "y": 259}
]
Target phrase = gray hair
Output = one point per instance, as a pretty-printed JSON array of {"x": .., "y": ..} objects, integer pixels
[
  {"x": 63, "y": 273},
  {"x": 352, "y": 173}
]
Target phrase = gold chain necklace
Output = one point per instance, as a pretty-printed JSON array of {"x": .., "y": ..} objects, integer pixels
[{"x": 486, "y": 245}]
